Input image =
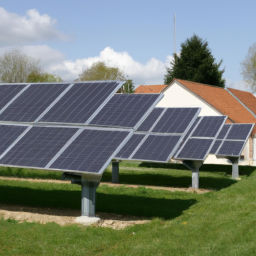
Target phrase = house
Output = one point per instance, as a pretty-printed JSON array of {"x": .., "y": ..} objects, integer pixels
[{"x": 214, "y": 101}]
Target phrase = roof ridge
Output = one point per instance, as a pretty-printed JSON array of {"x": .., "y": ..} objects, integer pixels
[
  {"x": 239, "y": 90},
  {"x": 215, "y": 86}
]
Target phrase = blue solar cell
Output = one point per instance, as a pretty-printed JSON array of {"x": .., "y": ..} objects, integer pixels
[
  {"x": 80, "y": 102},
  {"x": 195, "y": 149},
  {"x": 8, "y": 91},
  {"x": 215, "y": 146},
  {"x": 150, "y": 120},
  {"x": 156, "y": 148},
  {"x": 175, "y": 120},
  {"x": 231, "y": 148},
  {"x": 8, "y": 134},
  {"x": 130, "y": 146},
  {"x": 223, "y": 131},
  {"x": 38, "y": 146},
  {"x": 125, "y": 110},
  {"x": 90, "y": 151},
  {"x": 239, "y": 131},
  {"x": 32, "y": 102},
  {"x": 209, "y": 126}
]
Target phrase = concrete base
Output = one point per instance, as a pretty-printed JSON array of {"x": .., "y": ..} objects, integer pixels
[{"x": 87, "y": 220}]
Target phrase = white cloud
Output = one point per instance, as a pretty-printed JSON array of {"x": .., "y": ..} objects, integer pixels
[
  {"x": 54, "y": 61},
  {"x": 150, "y": 73},
  {"x": 15, "y": 29}
]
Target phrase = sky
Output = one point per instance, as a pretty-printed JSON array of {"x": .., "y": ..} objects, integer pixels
[{"x": 135, "y": 35}]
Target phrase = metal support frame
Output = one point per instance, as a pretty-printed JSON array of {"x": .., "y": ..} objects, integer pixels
[
  {"x": 194, "y": 166},
  {"x": 88, "y": 198},
  {"x": 115, "y": 172},
  {"x": 88, "y": 193},
  {"x": 235, "y": 167}
]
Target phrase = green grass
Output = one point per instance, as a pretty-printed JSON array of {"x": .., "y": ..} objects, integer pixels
[
  {"x": 215, "y": 223},
  {"x": 170, "y": 175}
]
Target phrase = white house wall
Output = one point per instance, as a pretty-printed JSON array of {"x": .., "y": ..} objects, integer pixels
[{"x": 176, "y": 96}]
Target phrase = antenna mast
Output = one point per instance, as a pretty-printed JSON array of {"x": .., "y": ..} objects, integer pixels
[{"x": 174, "y": 33}]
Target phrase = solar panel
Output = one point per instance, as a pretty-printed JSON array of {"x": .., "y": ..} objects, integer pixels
[
  {"x": 32, "y": 102},
  {"x": 130, "y": 146},
  {"x": 91, "y": 151},
  {"x": 209, "y": 126},
  {"x": 125, "y": 110},
  {"x": 195, "y": 149},
  {"x": 231, "y": 148},
  {"x": 151, "y": 119},
  {"x": 235, "y": 140},
  {"x": 156, "y": 148},
  {"x": 8, "y": 91},
  {"x": 8, "y": 134},
  {"x": 81, "y": 102},
  {"x": 215, "y": 146},
  {"x": 175, "y": 120},
  {"x": 38, "y": 146},
  {"x": 239, "y": 131},
  {"x": 224, "y": 131}
]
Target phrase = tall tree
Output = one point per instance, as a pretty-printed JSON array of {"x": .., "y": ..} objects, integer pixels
[
  {"x": 249, "y": 68},
  {"x": 15, "y": 66},
  {"x": 101, "y": 71},
  {"x": 18, "y": 67},
  {"x": 195, "y": 63}
]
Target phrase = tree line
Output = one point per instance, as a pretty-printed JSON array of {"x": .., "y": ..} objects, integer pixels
[
  {"x": 18, "y": 67},
  {"x": 195, "y": 62}
]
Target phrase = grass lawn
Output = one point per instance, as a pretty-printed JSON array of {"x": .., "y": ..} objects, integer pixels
[{"x": 216, "y": 223}]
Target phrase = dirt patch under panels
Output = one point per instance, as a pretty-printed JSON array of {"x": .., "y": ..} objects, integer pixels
[
  {"x": 68, "y": 216},
  {"x": 65, "y": 217},
  {"x": 189, "y": 190}
]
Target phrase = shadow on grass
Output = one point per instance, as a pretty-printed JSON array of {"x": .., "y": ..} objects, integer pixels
[
  {"x": 113, "y": 203},
  {"x": 243, "y": 170},
  {"x": 170, "y": 181}
]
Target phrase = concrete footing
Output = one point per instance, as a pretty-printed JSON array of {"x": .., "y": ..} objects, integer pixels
[{"x": 85, "y": 220}]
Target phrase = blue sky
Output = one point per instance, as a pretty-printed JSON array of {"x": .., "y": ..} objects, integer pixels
[{"x": 136, "y": 36}]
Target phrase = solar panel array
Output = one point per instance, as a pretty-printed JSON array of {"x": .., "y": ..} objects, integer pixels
[
  {"x": 64, "y": 145},
  {"x": 231, "y": 140},
  {"x": 201, "y": 138},
  {"x": 159, "y": 136}
]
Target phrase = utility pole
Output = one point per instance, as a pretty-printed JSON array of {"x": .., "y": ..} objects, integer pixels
[{"x": 174, "y": 33}]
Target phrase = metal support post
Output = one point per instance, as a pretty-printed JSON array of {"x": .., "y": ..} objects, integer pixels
[
  {"x": 88, "y": 199},
  {"x": 235, "y": 167},
  {"x": 194, "y": 167},
  {"x": 115, "y": 172}
]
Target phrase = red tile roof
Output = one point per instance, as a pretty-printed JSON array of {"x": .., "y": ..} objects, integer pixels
[
  {"x": 221, "y": 100},
  {"x": 247, "y": 98},
  {"x": 150, "y": 88}
]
